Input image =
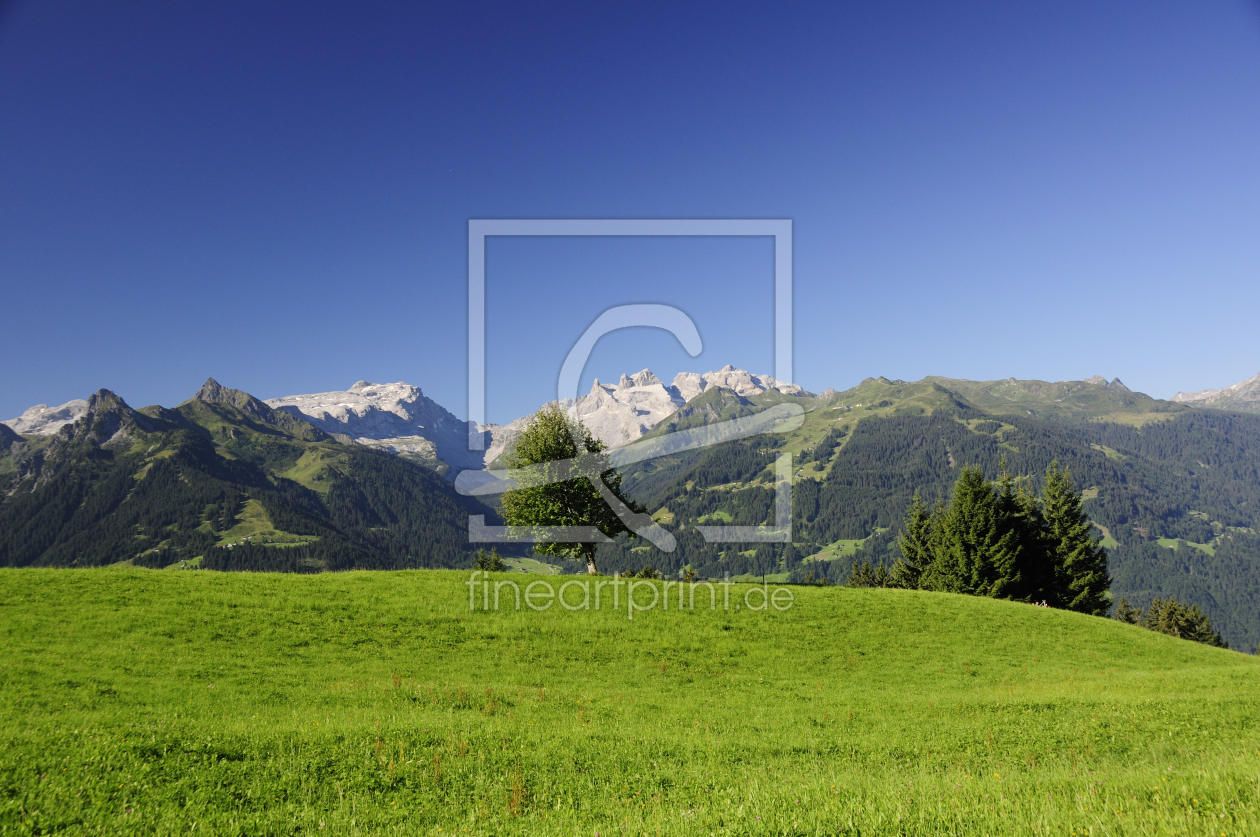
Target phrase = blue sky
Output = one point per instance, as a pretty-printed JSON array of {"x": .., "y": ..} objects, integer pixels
[{"x": 278, "y": 195}]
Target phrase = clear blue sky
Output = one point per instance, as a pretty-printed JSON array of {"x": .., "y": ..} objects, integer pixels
[{"x": 278, "y": 195}]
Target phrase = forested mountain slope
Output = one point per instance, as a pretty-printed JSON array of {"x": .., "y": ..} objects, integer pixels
[
  {"x": 224, "y": 478},
  {"x": 1175, "y": 490}
]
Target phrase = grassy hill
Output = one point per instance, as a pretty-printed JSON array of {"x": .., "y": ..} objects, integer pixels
[{"x": 142, "y": 702}]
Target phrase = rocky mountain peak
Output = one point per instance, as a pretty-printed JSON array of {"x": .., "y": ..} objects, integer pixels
[
  {"x": 107, "y": 421},
  {"x": 212, "y": 392},
  {"x": 691, "y": 384},
  {"x": 645, "y": 378},
  {"x": 1115, "y": 385},
  {"x": 103, "y": 400},
  {"x": 619, "y": 415}
]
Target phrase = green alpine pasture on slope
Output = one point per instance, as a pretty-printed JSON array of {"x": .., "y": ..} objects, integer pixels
[{"x": 147, "y": 702}]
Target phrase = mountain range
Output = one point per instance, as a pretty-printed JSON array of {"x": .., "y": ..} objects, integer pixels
[
  {"x": 224, "y": 480},
  {"x": 1244, "y": 395},
  {"x": 361, "y": 477},
  {"x": 400, "y": 419}
]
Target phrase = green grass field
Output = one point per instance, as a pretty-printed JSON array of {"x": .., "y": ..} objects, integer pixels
[
  {"x": 531, "y": 565},
  {"x": 159, "y": 703},
  {"x": 840, "y": 549},
  {"x": 1173, "y": 543},
  {"x": 253, "y": 524}
]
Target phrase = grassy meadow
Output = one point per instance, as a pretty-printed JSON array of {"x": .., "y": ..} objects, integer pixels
[{"x": 146, "y": 702}]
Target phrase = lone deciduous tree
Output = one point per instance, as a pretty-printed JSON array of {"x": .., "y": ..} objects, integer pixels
[{"x": 542, "y": 452}]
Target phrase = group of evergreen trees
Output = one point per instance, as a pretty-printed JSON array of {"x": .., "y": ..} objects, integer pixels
[
  {"x": 1169, "y": 616},
  {"x": 490, "y": 562},
  {"x": 1001, "y": 539}
]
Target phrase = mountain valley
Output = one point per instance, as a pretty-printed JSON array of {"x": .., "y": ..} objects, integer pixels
[{"x": 362, "y": 478}]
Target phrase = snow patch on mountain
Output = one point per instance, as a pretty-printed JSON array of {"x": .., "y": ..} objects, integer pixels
[
  {"x": 42, "y": 420},
  {"x": 397, "y": 417}
]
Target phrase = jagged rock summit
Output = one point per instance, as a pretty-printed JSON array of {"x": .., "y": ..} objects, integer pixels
[
  {"x": 1244, "y": 395},
  {"x": 620, "y": 414},
  {"x": 42, "y": 420},
  {"x": 690, "y": 384},
  {"x": 212, "y": 392},
  {"x": 617, "y": 415},
  {"x": 1098, "y": 380},
  {"x": 105, "y": 422}
]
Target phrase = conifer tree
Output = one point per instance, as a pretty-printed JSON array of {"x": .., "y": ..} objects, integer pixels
[
  {"x": 1169, "y": 616},
  {"x": 977, "y": 552},
  {"x": 1019, "y": 517},
  {"x": 1125, "y": 612},
  {"x": 916, "y": 546},
  {"x": 862, "y": 575},
  {"x": 1021, "y": 513},
  {"x": 1077, "y": 559},
  {"x": 1035, "y": 547},
  {"x": 489, "y": 561}
]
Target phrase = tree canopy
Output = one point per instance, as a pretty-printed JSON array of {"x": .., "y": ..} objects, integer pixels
[
  {"x": 1003, "y": 540},
  {"x": 545, "y": 450}
]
